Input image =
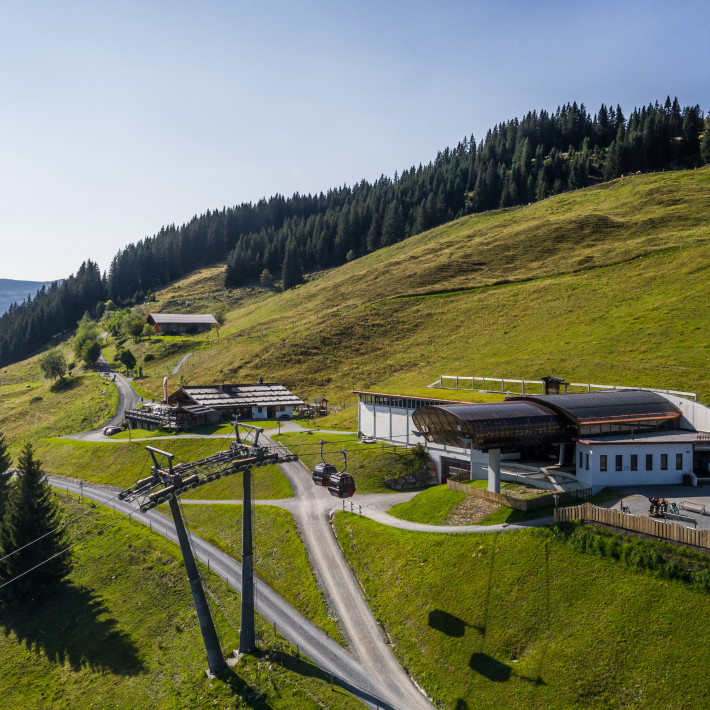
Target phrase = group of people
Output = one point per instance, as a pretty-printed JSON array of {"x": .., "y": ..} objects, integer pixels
[{"x": 659, "y": 506}]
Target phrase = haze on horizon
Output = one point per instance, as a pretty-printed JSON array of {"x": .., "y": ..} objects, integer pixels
[{"x": 118, "y": 120}]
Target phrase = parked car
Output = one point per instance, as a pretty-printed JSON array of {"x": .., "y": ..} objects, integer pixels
[{"x": 110, "y": 430}]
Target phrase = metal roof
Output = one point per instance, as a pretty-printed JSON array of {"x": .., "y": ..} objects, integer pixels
[
  {"x": 608, "y": 406},
  {"x": 490, "y": 426},
  {"x": 229, "y": 396},
  {"x": 182, "y": 318}
]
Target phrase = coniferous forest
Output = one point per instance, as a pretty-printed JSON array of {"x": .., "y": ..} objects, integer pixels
[{"x": 518, "y": 162}]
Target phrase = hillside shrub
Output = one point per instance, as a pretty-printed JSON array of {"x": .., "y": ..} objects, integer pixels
[{"x": 662, "y": 559}]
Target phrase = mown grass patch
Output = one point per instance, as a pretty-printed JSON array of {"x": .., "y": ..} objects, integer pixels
[
  {"x": 431, "y": 507},
  {"x": 122, "y": 633},
  {"x": 522, "y": 620},
  {"x": 280, "y": 557},
  {"x": 268, "y": 483},
  {"x": 113, "y": 463},
  {"x": 369, "y": 465}
]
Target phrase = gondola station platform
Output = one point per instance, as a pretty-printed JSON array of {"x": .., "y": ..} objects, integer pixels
[{"x": 593, "y": 439}]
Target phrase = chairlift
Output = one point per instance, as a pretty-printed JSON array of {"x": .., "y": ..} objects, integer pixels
[
  {"x": 342, "y": 484},
  {"x": 323, "y": 471}
]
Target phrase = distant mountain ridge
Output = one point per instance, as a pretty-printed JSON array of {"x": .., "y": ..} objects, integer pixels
[{"x": 12, "y": 290}]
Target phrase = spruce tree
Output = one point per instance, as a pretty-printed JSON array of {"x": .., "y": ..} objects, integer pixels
[
  {"x": 31, "y": 517},
  {"x": 5, "y": 476},
  {"x": 292, "y": 272}
]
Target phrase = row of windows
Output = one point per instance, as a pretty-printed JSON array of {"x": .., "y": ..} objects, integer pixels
[
  {"x": 397, "y": 402},
  {"x": 633, "y": 460}
]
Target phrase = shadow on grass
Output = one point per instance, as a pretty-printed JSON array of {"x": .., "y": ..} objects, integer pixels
[
  {"x": 447, "y": 623},
  {"x": 73, "y": 627},
  {"x": 63, "y": 385}
]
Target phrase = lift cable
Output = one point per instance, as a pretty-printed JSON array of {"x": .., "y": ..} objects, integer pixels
[
  {"x": 66, "y": 549},
  {"x": 63, "y": 525}
]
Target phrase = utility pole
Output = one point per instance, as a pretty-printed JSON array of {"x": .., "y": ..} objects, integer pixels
[
  {"x": 215, "y": 658},
  {"x": 246, "y": 629}
]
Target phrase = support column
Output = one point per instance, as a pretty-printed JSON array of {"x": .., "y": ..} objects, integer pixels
[
  {"x": 494, "y": 470},
  {"x": 246, "y": 628},
  {"x": 215, "y": 659}
]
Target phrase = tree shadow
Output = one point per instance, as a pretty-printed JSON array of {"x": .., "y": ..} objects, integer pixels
[
  {"x": 73, "y": 627},
  {"x": 64, "y": 385},
  {"x": 490, "y": 668},
  {"x": 447, "y": 623}
]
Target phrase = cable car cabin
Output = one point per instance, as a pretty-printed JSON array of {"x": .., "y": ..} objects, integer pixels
[
  {"x": 322, "y": 473},
  {"x": 341, "y": 485}
]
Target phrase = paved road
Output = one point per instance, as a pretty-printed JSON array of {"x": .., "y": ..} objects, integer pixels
[{"x": 348, "y": 672}]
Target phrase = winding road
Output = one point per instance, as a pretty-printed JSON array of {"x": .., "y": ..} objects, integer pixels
[{"x": 370, "y": 670}]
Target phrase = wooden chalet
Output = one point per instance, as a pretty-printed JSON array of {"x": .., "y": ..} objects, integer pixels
[
  {"x": 181, "y": 322},
  {"x": 247, "y": 401}
]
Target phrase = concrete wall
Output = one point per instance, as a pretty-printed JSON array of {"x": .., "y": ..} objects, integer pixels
[
  {"x": 597, "y": 478},
  {"x": 695, "y": 415}
]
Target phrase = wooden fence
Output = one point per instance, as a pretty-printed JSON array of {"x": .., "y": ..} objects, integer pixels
[
  {"x": 511, "y": 501},
  {"x": 635, "y": 523}
]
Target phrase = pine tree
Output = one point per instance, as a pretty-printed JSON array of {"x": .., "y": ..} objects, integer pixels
[
  {"x": 5, "y": 477},
  {"x": 292, "y": 273},
  {"x": 393, "y": 225},
  {"x": 31, "y": 517}
]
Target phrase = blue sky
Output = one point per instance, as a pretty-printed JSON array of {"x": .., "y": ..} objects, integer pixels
[{"x": 119, "y": 118}]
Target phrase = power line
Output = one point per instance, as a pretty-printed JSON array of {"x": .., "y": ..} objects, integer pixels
[
  {"x": 66, "y": 549},
  {"x": 59, "y": 527}
]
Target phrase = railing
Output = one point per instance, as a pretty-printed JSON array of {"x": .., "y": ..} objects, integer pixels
[
  {"x": 635, "y": 523},
  {"x": 509, "y": 385}
]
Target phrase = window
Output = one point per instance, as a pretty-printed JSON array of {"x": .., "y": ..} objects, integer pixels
[
  {"x": 649, "y": 462},
  {"x": 581, "y": 460},
  {"x": 679, "y": 462},
  {"x": 619, "y": 462},
  {"x": 664, "y": 462},
  {"x": 587, "y": 466},
  {"x": 634, "y": 462},
  {"x": 602, "y": 462}
]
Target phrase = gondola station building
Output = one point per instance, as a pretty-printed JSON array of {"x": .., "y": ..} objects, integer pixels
[{"x": 592, "y": 439}]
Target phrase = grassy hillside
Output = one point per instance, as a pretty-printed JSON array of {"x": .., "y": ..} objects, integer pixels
[
  {"x": 522, "y": 620},
  {"x": 606, "y": 284},
  {"x": 32, "y": 407},
  {"x": 122, "y": 633}
]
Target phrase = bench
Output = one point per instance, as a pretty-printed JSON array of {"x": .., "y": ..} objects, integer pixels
[
  {"x": 681, "y": 518},
  {"x": 693, "y": 507}
]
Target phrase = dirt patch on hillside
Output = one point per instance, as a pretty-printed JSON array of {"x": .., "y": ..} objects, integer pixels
[{"x": 471, "y": 511}]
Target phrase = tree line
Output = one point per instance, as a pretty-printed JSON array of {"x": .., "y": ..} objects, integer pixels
[{"x": 517, "y": 162}]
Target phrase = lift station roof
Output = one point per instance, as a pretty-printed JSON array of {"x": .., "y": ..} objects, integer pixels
[{"x": 490, "y": 426}]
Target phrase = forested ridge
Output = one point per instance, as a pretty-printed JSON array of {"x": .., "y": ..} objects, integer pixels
[{"x": 518, "y": 162}]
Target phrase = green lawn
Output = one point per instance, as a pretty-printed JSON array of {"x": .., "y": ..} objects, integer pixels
[
  {"x": 280, "y": 557},
  {"x": 369, "y": 465},
  {"x": 522, "y": 620},
  {"x": 122, "y": 633}
]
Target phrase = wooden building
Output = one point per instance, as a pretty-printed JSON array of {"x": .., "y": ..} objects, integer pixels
[{"x": 174, "y": 323}]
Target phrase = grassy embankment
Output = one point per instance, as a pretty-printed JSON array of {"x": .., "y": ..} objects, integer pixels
[
  {"x": 605, "y": 284},
  {"x": 524, "y": 620},
  {"x": 122, "y": 633}
]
